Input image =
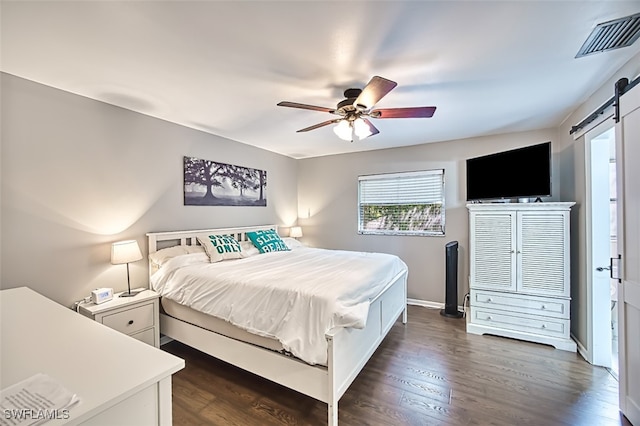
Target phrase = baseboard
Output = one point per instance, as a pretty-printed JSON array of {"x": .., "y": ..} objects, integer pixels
[
  {"x": 428, "y": 304},
  {"x": 425, "y": 303},
  {"x": 581, "y": 349}
]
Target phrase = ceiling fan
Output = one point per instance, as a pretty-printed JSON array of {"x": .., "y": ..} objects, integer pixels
[{"x": 357, "y": 106}]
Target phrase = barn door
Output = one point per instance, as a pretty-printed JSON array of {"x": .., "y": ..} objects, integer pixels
[{"x": 628, "y": 268}]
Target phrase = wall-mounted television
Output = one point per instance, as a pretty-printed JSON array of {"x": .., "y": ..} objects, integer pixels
[{"x": 518, "y": 173}]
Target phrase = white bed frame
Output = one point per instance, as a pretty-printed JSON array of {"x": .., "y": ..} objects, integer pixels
[{"x": 349, "y": 349}]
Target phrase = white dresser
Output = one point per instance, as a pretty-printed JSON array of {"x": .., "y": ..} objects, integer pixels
[
  {"x": 119, "y": 380},
  {"x": 519, "y": 271}
]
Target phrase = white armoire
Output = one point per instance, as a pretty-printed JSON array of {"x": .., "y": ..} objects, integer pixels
[{"x": 519, "y": 271}]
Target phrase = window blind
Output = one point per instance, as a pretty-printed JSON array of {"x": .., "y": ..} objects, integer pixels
[{"x": 409, "y": 203}]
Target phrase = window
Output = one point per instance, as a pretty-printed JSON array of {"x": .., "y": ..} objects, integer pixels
[{"x": 410, "y": 203}]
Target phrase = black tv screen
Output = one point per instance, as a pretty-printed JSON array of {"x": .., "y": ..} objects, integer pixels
[{"x": 519, "y": 173}]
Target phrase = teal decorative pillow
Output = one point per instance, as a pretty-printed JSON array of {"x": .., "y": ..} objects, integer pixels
[
  {"x": 267, "y": 241},
  {"x": 221, "y": 247}
]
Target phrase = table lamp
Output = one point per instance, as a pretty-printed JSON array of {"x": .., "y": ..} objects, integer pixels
[
  {"x": 126, "y": 252},
  {"x": 295, "y": 232}
]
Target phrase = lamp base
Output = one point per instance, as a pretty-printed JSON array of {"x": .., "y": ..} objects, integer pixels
[{"x": 130, "y": 293}]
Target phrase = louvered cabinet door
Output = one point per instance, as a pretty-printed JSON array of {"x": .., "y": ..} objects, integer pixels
[
  {"x": 493, "y": 243},
  {"x": 543, "y": 253}
]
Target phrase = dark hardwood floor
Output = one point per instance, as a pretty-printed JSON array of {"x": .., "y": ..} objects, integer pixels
[{"x": 427, "y": 372}]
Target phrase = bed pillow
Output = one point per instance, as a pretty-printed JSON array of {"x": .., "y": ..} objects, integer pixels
[
  {"x": 220, "y": 247},
  {"x": 292, "y": 243},
  {"x": 248, "y": 249},
  {"x": 267, "y": 241},
  {"x": 161, "y": 256}
]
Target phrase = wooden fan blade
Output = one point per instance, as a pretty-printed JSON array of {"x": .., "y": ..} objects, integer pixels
[
  {"x": 375, "y": 90},
  {"x": 417, "y": 112},
  {"x": 305, "y": 106},
  {"x": 317, "y": 126},
  {"x": 372, "y": 128}
]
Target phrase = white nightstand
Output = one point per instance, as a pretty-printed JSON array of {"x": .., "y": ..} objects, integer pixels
[{"x": 136, "y": 316}]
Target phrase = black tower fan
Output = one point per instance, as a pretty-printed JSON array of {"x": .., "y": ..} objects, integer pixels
[{"x": 451, "y": 297}]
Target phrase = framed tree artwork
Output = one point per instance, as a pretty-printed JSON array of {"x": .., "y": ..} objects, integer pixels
[{"x": 208, "y": 183}]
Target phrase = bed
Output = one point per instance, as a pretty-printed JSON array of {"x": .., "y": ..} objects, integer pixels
[{"x": 324, "y": 374}]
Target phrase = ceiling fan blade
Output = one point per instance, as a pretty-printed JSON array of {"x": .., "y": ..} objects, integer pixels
[
  {"x": 304, "y": 106},
  {"x": 375, "y": 90},
  {"x": 416, "y": 112},
  {"x": 372, "y": 128},
  {"x": 317, "y": 126}
]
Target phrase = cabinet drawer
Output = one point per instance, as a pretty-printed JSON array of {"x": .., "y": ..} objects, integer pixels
[
  {"x": 147, "y": 336},
  {"x": 132, "y": 320},
  {"x": 519, "y": 303},
  {"x": 553, "y": 327}
]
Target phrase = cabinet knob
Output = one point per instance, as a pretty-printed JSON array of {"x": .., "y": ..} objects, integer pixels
[
  {"x": 489, "y": 318},
  {"x": 130, "y": 322},
  {"x": 543, "y": 307},
  {"x": 544, "y": 326},
  {"x": 489, "y": 300}
]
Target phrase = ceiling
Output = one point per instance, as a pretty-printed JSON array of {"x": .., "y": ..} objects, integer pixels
[{"x": 221, "y": 67}]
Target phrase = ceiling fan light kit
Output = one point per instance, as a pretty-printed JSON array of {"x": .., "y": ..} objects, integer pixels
[
  {"x": 346, "y": 130},
  {"x": 357, "y": 105}
]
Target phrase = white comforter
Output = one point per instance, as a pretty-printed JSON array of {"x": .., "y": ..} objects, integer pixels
[{"x": 293, "y": 296}]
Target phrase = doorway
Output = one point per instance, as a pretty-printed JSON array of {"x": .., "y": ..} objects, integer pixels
[{"x": 601, "y": 207}]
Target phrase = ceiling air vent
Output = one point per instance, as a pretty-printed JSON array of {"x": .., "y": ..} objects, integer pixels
[{"x": 612, "y": 35}]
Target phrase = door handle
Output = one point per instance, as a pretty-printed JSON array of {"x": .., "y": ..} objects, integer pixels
[
  {"x": 614, "y": 268},
  {"x": 603, "y": 268}
]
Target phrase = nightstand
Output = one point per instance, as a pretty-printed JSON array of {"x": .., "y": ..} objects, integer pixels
[{"x": 136, "y": 316}]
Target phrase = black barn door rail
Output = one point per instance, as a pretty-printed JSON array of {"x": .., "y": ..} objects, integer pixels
[{"x": 620, "y": 88}]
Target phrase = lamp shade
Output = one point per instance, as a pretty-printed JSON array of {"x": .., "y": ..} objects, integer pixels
[
  {"x": 344, "y": 130},
  {"x": 295, "y": 232},
  {"x": 361, "y": 129},
  {"x": 125, "y": 252}
]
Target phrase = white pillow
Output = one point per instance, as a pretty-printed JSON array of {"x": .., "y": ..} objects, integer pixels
[
  {"x": 161, "y": 256},
  {"x": 292, "y": 243},
  {"x": 220, "y": 247},
  {"x": 248, "y": 249}
]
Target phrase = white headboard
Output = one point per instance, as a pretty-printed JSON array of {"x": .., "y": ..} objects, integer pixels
[{"x": 159, "y": 240}]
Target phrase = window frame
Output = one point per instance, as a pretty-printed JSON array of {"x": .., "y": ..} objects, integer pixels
[{"x": 400, "y": 175}]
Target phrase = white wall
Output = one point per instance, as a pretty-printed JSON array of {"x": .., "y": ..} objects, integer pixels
[
  {"x": 78, "y": 174},
  {"x": 328, "y": 201}
]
